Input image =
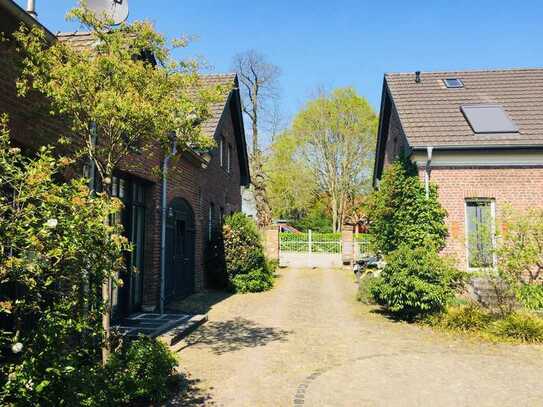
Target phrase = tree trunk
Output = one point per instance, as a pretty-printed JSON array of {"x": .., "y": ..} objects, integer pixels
[{"x": 263, "y": 210}]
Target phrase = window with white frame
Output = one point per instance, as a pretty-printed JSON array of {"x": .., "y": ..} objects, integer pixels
[{"x": 480, "y": 229}]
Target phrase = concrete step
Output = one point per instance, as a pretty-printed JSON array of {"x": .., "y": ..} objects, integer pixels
[{"x": 176, "y": 333}]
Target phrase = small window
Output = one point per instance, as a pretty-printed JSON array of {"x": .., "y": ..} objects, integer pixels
[
  {"x": 221, "y": 151},
  {"x": 488, "y": 119},
  {"x": 229, "y": 158},
  {"x": 210, "y": 218},
  {"x": 480, "y": 230},
  {"x": 453, "y": 83}
]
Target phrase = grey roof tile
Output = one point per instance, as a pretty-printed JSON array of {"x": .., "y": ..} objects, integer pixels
[{"x": 430, "y": 112}]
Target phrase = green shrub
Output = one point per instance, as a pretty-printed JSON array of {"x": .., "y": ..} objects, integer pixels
[
  {"x": 531, "y": 296},
  {"x": 416, "y": 282},
  {"x": 141, "y": 371},
  {"x": 519, "y": 326},
  {"x": 364, "y": 289},
  {"x": 253, "y": 282},
  {"x": 246, "y": 265},
  {"x": 465, "y": 318},
  {"x": 400, "y": 213},
  {"x": 55, "y": 253}
]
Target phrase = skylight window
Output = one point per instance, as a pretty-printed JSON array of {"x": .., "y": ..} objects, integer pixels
[
  {"x": 488, "y": 119},
  {"x": 453, "y": 83}
]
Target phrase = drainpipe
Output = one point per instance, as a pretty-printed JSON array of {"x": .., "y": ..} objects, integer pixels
[
  {"x": 429, "y": 151},
  {"x": 31, "y": 8},
  {"x": 164, "y": 214}
]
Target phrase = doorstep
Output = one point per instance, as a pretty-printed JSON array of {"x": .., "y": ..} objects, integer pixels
[{"x": 169, "y": 328}]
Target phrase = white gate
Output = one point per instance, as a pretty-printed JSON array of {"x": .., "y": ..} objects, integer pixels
[{"x": 310, "y": 249}]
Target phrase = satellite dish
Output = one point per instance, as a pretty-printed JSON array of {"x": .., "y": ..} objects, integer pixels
[{"x": 117, "y": 10}]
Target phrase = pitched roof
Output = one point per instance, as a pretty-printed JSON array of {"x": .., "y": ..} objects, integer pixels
[
  {"x": 216, "y": 109},
  {"x": 430, "y": 112},
  {"x": 79, "y": 40}
]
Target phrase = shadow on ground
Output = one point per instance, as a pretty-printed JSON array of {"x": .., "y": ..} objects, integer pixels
[
  {"x": 235, "y": 334},
  {"x": 199, "y": 303},
  {"x": 188, "y": 393}
]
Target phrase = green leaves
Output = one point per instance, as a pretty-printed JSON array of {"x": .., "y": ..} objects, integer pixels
[
  {"x": 399, "y": 211},
  {"x": 416, "y": 282},
  {"x": 115, "y": 84},
  {"x": 246, "y": 266},
  {"x": 56, "y": 251}
]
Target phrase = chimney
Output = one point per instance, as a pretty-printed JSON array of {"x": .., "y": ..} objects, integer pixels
[
  {"x": 417, "y": 76},
  {"x": 31, "y": 8}
]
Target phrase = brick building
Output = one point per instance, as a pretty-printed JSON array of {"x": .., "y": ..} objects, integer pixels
[
  {"x": 201, "y": 187},
  {"x": 478, "y": 135}
]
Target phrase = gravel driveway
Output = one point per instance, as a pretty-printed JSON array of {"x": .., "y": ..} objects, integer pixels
[{"x": 308, "y": 342}]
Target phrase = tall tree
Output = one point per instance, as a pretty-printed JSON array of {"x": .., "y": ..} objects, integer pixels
[
  {"x": 337, "y": 136},
  {"x": 126, "y": 92},
  {"x": 259, "y": 89},
  {"x": 291, "y": 187}
]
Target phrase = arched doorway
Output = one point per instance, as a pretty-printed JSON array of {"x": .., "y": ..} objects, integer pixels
[{"x": 180, "y": 239}]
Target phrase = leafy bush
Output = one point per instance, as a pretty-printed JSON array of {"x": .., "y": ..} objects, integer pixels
[
  {"x": 416, "y": 282},
  {"x": 142, "y": 370},
  {"x": 520, "y": 326},
  {"x": 400, "y": 213},
  {"x": 531, "y": 296},
  {"x": 246, "y": 265},
  {"x": 55, "y": 252},
  {"x": 465, "y": 318},
  {"x": 364, "y": 289},
  {"x": 255, "y": 281}
]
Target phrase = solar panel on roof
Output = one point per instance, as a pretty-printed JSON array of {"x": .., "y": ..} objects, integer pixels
[
  {"x": 453, "y": 83},
  {"x": 488, "y": 119}
]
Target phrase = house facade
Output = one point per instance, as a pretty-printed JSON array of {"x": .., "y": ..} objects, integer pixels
[
  {"x": 200, "y": 188},
  {"x": 477, "y": 135}
]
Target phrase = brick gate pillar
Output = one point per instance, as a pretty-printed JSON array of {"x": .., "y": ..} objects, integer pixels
[
  {"x": 271, "y": 243},
  {"x": 347, "y": 244}
]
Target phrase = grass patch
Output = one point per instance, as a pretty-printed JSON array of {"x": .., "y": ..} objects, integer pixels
[
  {"x": 471, "y": 319},
  {"x": 522, "y": 327}
]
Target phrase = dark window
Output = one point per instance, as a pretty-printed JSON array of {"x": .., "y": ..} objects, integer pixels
[
  {"x": 210, "y": 221},
  {"x": 229, "y": 158},
  {"x": 480, "y": 231},
  {"x": 453, "y": 83},
  {"x": 221, "y": 151},
  {"x": 488, "y": 119}
]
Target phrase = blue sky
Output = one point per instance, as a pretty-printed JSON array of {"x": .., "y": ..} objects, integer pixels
[{"x": 344, "y": 43}]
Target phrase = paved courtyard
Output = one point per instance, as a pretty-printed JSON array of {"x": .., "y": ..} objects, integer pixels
[{"x": 309, "y": 343}]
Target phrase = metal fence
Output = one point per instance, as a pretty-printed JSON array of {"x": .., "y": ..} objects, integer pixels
[
  {"x": 310, "y": 242},
  {"x": 362, "y": 247}
]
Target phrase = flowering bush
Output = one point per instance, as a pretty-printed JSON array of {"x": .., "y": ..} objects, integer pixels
[
  {"x": 55, "y": 252},
  {"x": 246, "y": 265}
]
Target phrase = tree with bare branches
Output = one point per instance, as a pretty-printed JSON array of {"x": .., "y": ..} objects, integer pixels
[{"x": 259, "y": 87}]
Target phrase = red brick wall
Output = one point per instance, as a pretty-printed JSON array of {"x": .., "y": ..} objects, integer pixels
[
  {"x": 32, "y": 126},
  {"x": 199, "y": 187},
  {"x": 521, "y": 187}
]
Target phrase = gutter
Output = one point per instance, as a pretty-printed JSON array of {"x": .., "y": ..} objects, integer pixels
[
  {"x": 164, "y": 214},
  {"x": 481, "y": 147}
]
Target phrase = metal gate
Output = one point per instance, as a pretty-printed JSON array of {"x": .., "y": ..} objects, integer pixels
[{"x": 310, "y": 249}]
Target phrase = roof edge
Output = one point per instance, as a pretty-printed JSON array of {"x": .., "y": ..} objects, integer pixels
[{"x": 18, "y": 12}]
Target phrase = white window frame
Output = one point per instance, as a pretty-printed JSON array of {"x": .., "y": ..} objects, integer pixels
[{"x": 493, "y": 229}]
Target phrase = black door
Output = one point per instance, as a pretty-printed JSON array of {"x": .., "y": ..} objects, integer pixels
[{"x": 179, "y": 251}]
